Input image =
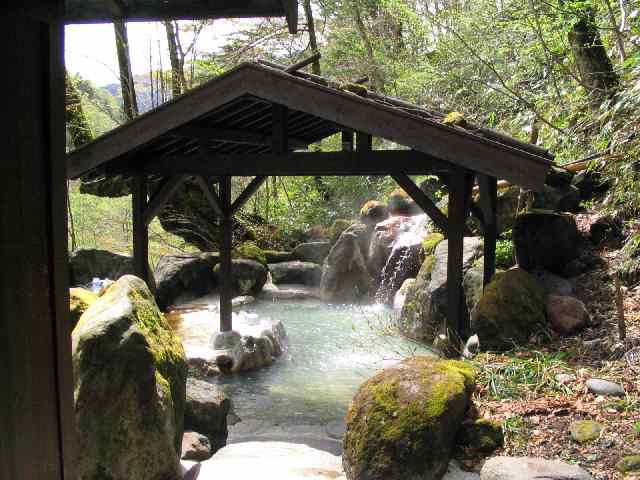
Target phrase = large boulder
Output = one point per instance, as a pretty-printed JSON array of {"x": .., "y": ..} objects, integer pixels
[
  {"x": 314, "y": 252},
  {"x": 511, "y": 309},
  {"x": 79, "y": 302},
  {"x": 402, "y": 423},
  {"x": 507, "y": 208},
  {"x": 130, "y": 377},
  {"x": 545, "y": 240},
  {"x": 345, "y": 276},
  {"x": 424, "y": 315},
  {"x": 558, "y": 194},
  {"x": 87, "y": 264},
  {"x": 178, "y": 276},
  {"x": 206, "y": 412},
  {"x": 306, "y": 273},
  {"x": 247, "y": 277}
]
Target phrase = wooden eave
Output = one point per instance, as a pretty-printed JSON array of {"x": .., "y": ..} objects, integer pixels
[
  {"x": 95, "y": 11},
  {"x": 149, "y": 136}
]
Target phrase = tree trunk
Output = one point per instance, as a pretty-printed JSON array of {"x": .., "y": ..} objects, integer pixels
[
  {"x": 77, "y": 125},
  {"x": 313, "y": 42},
  {"x": 129, "y": 100},
  {"x": 594, "y": 65},
  {"x": 177, "y": 86},
  {"x": 378, "y": 81}
]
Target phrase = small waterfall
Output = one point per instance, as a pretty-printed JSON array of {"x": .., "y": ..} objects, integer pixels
[{"x": 404, "y": 252}]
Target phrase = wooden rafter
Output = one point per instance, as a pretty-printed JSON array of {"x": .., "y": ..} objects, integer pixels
[{"x": 230, "y": 135}]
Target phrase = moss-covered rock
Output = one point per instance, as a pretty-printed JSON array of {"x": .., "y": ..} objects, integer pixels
[
  {"x": 340, "y": 225},
  {"x": 130, "y": 379},
  {"x": 402, "y": 423},
  {"x": 250, "y": 251},
  {"x": 275, "y": 256},
  {"x": 430, "y": 243},
  {"x": 510, "y": 310},
  {"x": 314, "y": 252},
  {"x": 247, "y": 276},
  {"x": 79, "y": 302},
  {"x": 373, "y": 212},
  {"x": 629, "y": 464},
  {"x": 481, "y": 435},
  {"x": 584, "y": 431}
]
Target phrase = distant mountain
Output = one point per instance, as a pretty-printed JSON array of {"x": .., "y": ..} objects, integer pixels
[{"x": 143, "y": 92}]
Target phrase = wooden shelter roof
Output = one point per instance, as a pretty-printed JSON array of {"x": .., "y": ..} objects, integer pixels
[
  {"x": 92, "y": 11},
  {"x": 231, "y": 119}
]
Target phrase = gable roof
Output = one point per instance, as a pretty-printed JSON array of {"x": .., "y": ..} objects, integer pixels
[{"x": 241, "y": 100}]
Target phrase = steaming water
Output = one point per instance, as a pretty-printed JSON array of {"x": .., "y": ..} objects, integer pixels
[{"x": 303, "y": 397}]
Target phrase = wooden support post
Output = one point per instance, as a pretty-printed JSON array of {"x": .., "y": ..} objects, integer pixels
[
  {"x": 455, "y": 236},
  {"x": 488, "y": 200},
  {"x": 226, "y": 244},
  {"x": 347, "y": 141},
  {"x": 140, "y": 231},
  {"x": 279, "y": 139},
  {"x": 364, "y": 142}
]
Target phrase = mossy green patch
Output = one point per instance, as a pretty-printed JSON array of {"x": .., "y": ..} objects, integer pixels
[
  {"x": 584, "y": 431},
  {"x": 403, "y": 419},
  {"x": 250, "y": 251},
  {"x": 430, "y": 242},
  {"x": 79, "y": 302},
  {"x": 629, "y": 464},
  {"x": 482, "y": 435}
]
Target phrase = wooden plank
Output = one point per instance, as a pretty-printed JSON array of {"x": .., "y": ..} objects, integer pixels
[
  {"x": 165, "y": 191},
  {"x": 377, "y": 162},
  {"x": 418, "y": 196},
  {"x": 455, "y": 239},
  {"x": 488, "y": 203},
  {"x": 231, "y": 135},
  {"x": 140, "y": 231},
  {"x": 36, "y": 397},
  {"x": 211, "y": 196},
  {"x": 246, "y": 194},
  {"x": 93, "y": 11},
  {"x": 226, "y": 245}
]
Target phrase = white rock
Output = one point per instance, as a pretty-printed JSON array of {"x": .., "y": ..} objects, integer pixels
[{"x": 270, "y": 461}]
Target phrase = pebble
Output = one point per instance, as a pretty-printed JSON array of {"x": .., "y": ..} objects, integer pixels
[
  {"x": 565, "y": 378},
  {"x": 584, "y": 431},
  {"x": 604, "y": 387}
]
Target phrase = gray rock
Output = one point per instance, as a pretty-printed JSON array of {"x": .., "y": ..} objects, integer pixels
[
  {"x": 87, "y": 264},
  {"x": 605, "y": 387},
  {"x": 545, "y": 240},
  {"x": 553, "y": 284},
  {"x": 530, "y": 468},
  {"x": 247, "y": 277},
  {"x": 454, "y": 472},
  {"x": 179, "y": 276},
  {"x": 565, "y": 378},
  {"x": 273, "y": 256},
  {"x": 425, "y": 309},
  {"x": 130, "y": 375},
  {"x": 566, "y": 314},
  {"x": 305, "y": 273},
  {"x": 242, "y": 300},
  {"x": 206, "y": 412},
  {"x": 507, "y": 208},
  {"x": 314, "y": 252},
  {"x": 473, "y": 285},
  {"x": 345, "y": 276},
  {"x": 195, "y": 446}
]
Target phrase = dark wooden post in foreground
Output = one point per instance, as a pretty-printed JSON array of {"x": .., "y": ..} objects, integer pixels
[
  {"x": 226, "y": 244},
  {"x": 455, "y": 236},
  {"x": 140, "y": 230},
  {"x": 488, "y": 200}
]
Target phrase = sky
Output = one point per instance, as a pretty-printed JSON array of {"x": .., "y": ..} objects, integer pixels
[{"x": 90, "y": 50}]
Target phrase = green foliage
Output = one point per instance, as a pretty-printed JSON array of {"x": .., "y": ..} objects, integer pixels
[{"x": 504, "y": 254}]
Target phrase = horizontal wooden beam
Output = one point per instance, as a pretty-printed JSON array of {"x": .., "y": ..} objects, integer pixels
[
  {"x": 231, "y": 135},
  {"x": 94, "y": 11},
  {"x": 246, "y": 194},
  {"x": 418, "y": 196},
  {"x": 293, "y": 164},
  {"x": 162, "y": 195}
]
